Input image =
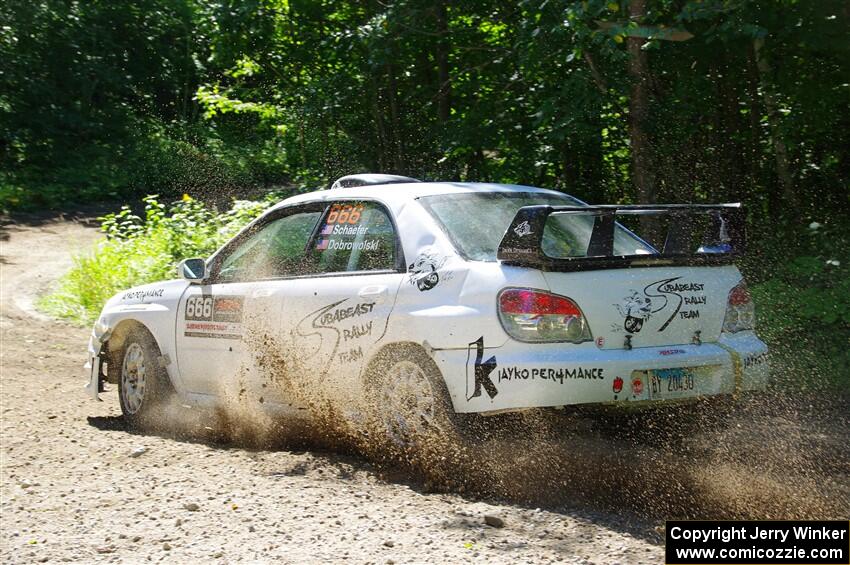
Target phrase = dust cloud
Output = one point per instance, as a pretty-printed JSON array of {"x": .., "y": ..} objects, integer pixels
[
  {"x": 770, "y": 455},
  {"x": 753, "y": 459}
]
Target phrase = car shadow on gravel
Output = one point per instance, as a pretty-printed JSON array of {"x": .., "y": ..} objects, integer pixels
[
  {"x": 304, "y": 454},
  {"x": 758, "y": 460},
  {"x": 108, "y": 423}
]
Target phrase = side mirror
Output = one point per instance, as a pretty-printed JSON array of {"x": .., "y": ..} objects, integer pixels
[{"x": 194, "y": 270}]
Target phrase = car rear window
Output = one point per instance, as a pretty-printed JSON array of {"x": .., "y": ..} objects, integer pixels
[{"x": 476, "y": 223}]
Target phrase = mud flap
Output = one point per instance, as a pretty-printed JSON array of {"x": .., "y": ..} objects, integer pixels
[{"x": 96, "y": 377}]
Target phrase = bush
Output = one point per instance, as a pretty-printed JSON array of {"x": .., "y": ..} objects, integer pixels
[
  {"x": 141, "y": 250},
  {"x": 803, "y": 309},
  {"x": 90, "y": 179}
]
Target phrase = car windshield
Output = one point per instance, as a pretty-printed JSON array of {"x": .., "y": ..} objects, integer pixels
[{"x": 476, "y": 223}]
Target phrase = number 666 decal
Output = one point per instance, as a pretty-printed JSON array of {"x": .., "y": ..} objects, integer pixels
[
  {"x": 209, "y": 308},
  {"x": 199, "y": 308},
  {"x": 344, "y": 214}
]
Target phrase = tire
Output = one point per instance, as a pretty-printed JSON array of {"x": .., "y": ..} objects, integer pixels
[
  {"x": 409, "y": 402},
  {"x": 143, "y": 385}
]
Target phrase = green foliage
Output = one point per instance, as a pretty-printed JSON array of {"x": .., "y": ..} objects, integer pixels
[
  {"x": 803, "y": 309},
  {"x": 98, "y": 103},
  {"x": 216, "y": 98},
  {"x": 142, "y": 249}
]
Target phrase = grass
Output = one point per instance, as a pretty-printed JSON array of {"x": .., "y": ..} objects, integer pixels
[{"x": 139, "y": 250}]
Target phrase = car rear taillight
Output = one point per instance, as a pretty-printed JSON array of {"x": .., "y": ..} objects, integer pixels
[
  {"x": 535, "y": 316},
  {"x": 740, "y": 311}
]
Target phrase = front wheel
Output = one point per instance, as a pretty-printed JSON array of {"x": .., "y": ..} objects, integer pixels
[{"x": 143, "y": 386}]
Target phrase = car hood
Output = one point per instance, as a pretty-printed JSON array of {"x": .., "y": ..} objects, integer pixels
[{"x": 163, "y": 292}]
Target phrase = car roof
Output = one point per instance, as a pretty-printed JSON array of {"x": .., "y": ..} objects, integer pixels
[
  {"x": 370, "y": 179},
  {"x": 398, "y": 193}
]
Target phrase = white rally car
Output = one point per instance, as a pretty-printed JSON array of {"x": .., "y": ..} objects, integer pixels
[{"x": 432, "y": 299}]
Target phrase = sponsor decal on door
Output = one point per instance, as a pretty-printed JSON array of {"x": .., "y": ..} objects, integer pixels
[{"x": 209, "y": 316}]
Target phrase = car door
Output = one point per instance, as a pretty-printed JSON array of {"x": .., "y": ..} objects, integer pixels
[
  {"x": 220, "y": 324},
  {"x": 336, "y": 316}
]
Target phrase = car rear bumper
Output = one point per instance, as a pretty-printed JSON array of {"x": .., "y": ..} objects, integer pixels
[{"x": 520, "y": 375}]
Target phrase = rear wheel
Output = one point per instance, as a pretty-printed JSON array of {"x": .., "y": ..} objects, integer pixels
[
  {"x": 410, "y": 402},
  {"x": 143, "y": 385}
]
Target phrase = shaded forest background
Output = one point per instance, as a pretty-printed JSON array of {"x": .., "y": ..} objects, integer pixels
[
  {"x": 610, "y": 100},
  {"x": 196, "y": 96}
]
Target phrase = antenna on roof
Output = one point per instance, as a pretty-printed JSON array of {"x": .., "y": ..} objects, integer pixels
[{"x": 368, "y": 179}]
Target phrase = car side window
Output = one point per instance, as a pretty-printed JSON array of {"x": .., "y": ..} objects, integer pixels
[
  {"x": 354, "y": 236},
  {"x": 274, "y": 250}
]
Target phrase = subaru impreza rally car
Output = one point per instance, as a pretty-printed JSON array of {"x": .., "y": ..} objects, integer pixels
[{"x": 434, "y": 299}]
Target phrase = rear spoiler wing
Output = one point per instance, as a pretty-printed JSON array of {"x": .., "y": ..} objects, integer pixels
[{"x": 723, "y": 239}]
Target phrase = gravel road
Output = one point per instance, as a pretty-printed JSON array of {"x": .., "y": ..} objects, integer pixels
[{"x": 78, "y": 487}]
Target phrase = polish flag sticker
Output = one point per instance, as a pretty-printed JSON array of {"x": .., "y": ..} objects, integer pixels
[{"x": 618, "y": 385}]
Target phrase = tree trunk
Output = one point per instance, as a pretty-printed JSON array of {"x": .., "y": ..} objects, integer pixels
[
  {"x": 444, "y": 94},
  {"x": 754, "y": 145},
  {"x": 380, "y": 129},
  {"x": 780, "y": 150},
  {"x": 598, "y": 79},
  {"x": 302, "y": 145},
  {"x": 642, "y": 173},
  {"x": 731, "y": 178},
  {"x": 569, "y": 168},
  {"x": 395, "y": 121},
  {"x": 592, "y": 163}
]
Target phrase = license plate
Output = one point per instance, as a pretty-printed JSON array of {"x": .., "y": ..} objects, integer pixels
[{"x": 673, "y": 383}]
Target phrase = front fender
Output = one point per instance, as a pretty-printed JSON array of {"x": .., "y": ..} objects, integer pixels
[{"x": 151, "y": 306}]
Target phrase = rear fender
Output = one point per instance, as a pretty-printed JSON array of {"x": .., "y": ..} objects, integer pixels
[{"x": 461, "y": 309}]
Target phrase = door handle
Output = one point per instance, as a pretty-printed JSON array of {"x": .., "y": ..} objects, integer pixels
[
  {"x": 375, "y": 293},
  {"x": 261, "y": 293}
]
